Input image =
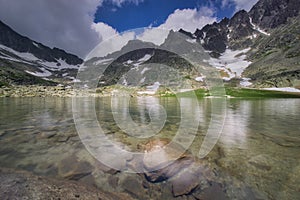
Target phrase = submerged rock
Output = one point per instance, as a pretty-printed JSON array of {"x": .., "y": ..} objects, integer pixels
[
  {"x": 134, "y": 187},
  {"x": 213, "y": 192},
  {"x": 169, "y": 171},
  {"x": 73, "y": 169},
  {"x": 162, "y": 159},
  {"x": 165, "y": 161},
  {"x": 262, "y": 162},
  {"x": 187, "y": 180}
]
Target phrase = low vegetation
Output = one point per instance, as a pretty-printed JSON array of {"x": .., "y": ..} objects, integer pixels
[{"x": 247, "y": 92}]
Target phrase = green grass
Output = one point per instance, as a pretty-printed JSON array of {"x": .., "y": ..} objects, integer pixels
[
  {"x": 238, "y": 92},
  {"x": 243, "y": 92}
]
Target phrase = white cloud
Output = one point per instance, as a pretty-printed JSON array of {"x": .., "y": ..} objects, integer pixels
[
  {"x": 69, "y": 24},
  {"x": 240, "y": 4},
  {"x": 60, "y": 23},
  {"x": 154, "y": 35},
  {"x": 187, "y": 19},
  {"x": 111, "y": 44},
  {"x": 120, "y": 2},
  {"x": 66, "y": 24},
  {"x": 104, "y": 31}
]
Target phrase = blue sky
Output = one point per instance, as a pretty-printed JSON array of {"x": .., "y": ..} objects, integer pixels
[
  {"x": 153, "y": 12},
  {"x": 79, "y": 26}
]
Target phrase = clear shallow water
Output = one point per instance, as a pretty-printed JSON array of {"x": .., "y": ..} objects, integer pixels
[{"x": 259, "y": 147}]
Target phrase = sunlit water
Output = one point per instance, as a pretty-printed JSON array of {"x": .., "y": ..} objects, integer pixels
[{"x": 259, "y": 146}]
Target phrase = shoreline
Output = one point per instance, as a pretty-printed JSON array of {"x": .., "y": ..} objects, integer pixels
[
  {"x": 20, "y": 91},
  {"x": 20, "y": 184}
]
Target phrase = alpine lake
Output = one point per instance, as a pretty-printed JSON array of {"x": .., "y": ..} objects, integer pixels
[{"x": 256, "y": 155}]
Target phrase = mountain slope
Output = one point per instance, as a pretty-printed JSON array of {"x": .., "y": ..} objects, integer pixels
[
  {"x": 270, "y": 34},
  {"x": 259, "y": 48},
  {"x": 22, "y": 58},
  {"x": 142, "y": 64},
  {"x": 276, "y": 59},
  {"x": 19, "y": 43},
  {"x": 12, "y": 73},
  {"x": 269, "y": 14}
]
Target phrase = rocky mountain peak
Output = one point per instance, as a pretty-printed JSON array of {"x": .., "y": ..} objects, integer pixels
[
  {"x": 269, "y": 14},
  {"x": 187, "y": 33},
  {"x": 241, "y": 30},
  {"x": 239, "y": 18}
]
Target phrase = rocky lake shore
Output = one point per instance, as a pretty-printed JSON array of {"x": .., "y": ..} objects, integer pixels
[
  {"x": 69, "y": 91},
  {"x": 18, "y": 184}
]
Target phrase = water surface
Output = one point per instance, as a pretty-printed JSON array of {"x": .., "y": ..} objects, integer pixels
[{"x": 259, "y": 147}]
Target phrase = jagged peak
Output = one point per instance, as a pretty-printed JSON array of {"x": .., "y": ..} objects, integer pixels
[{"x": 189, "y": 34}]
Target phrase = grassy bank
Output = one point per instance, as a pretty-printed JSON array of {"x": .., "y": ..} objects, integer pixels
[
  {"x": 250, "y": 93},
  {"x": 236, "y": 92}
]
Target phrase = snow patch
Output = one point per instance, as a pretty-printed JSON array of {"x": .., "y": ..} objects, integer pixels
[
  {"x": 283, "y": 89},
  {"x": 228, "y": 36},
  {"x": 142, "y": 60},
  {"x": 103, "y": 61},
  {"x": 124, "y": 82},
  {"x": 245, "y": 82},
  {"x": 143, "y": 80},
  {"x": 35, "y": 44},
  {"x": 31, "y": 58},
  {"x": 258, "y": 29},
  {"x": 144, "y": 70},
  {"x": 252, "y": 36},
  {"x": 14, "y": 59},
  {"x": 145, "y": 58},
  {"x": 26, "y": 56},
  {"x": 59, "y": 65},
  {"x": 232, "y": 62},
  {"x": 200, "y": 78},
  {"x": 193, "y": 41},
  {"x": 44, "y": 73},
  {"x": 128, "y": 62},
  {"x": 75, "y": 80},
  {"x": 151, "y": 89}
]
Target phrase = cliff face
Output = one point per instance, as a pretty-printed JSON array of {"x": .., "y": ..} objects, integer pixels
[{"x": 269, "y": 14}]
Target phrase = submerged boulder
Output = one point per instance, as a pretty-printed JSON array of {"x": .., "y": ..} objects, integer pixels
[{"x": 165, "y": 161}]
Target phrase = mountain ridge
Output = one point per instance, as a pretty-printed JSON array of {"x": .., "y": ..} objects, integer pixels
[
  {"x": 24, "y": 61},
  {"x": 14, "y": 40},
  {"x": 271, "y": 31},
  {"x": 260, "y": 47}
]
